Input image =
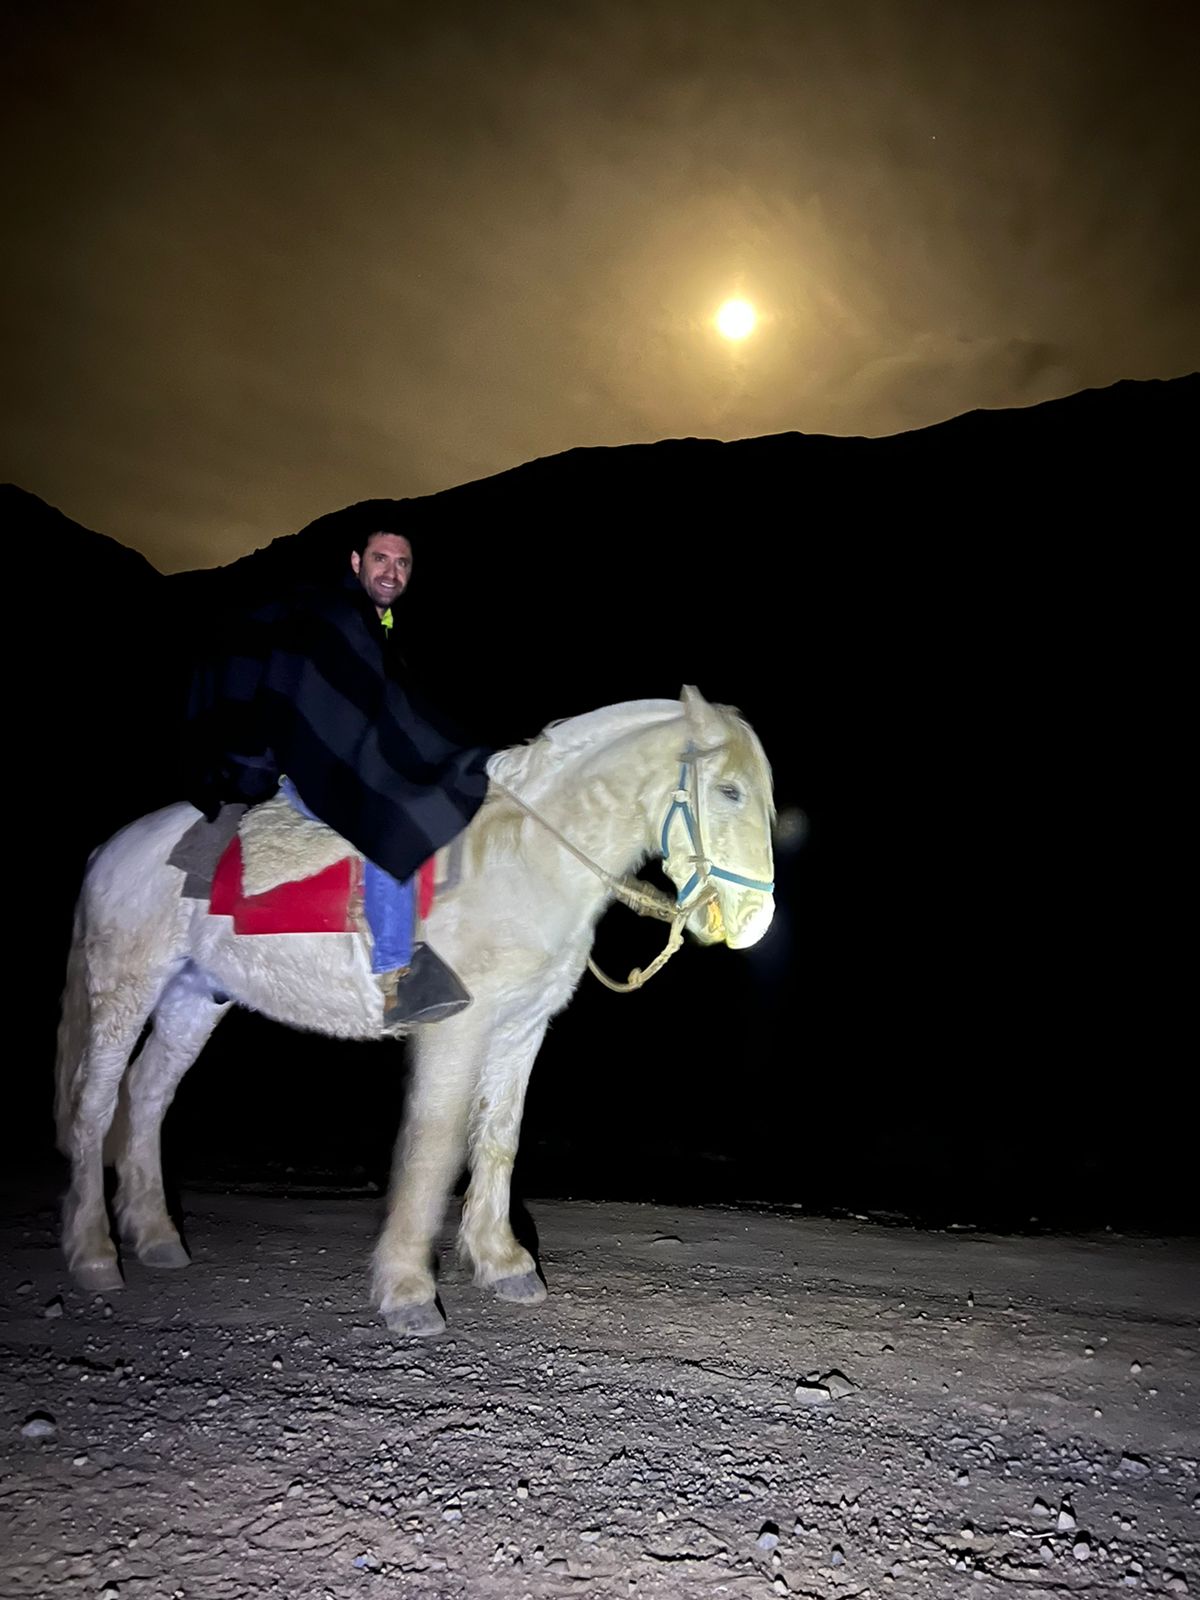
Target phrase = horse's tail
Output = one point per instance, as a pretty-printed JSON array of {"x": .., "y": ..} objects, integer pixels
[{"x": 74, "y": 1025}]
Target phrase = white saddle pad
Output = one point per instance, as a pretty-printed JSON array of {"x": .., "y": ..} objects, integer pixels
[{"x": 281, "y": 846}]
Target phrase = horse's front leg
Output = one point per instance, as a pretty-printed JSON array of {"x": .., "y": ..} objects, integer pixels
[
  {"x": 429, "y": 1157},
  {"x": 486, "y": 1238}
]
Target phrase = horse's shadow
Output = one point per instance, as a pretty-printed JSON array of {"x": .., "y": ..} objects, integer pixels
[{"x": 526, "y": 1231}]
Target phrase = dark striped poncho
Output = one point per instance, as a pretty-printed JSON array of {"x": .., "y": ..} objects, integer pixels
[{"x": 316, "y": 688}]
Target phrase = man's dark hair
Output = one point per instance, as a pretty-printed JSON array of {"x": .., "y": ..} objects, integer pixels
[{"x": 365, "y": 537}]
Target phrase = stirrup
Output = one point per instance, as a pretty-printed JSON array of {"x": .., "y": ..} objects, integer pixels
[{"x": 425, "y": 991}]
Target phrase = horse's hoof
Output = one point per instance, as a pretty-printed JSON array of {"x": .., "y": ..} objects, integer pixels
[
  {"x": 98, "y": 1277},
  {"x": 166, "y": 1253},
  {"x": 419, "y": 1321},
  {"x": 526, "y": 1289}
]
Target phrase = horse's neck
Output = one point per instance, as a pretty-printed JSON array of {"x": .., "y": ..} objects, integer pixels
[{"x": 610, "y": 803}]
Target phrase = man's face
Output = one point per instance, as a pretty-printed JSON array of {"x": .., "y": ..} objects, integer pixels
[{"x": 384, "y": 568}]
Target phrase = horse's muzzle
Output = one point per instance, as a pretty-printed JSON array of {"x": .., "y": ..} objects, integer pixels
[
  {"x": 738, "y": 920},
  {"x": 748, "y": 919}
]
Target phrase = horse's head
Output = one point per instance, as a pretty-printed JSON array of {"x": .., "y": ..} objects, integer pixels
[{"x": 716, "y": 836}]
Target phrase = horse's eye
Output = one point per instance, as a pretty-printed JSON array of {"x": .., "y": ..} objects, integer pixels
[{"x": 731, "y": 792}]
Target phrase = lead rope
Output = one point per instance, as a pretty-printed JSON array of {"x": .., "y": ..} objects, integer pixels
[{"x": 641, "y": 897}]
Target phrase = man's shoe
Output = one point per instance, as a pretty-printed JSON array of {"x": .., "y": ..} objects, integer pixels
[{"x": 426, "y": 991}]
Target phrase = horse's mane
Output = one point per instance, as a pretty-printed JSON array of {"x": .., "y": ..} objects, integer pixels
[{"x": 527, "y": 768}]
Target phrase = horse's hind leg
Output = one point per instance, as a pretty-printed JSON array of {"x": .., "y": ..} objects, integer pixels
[
  {"x": 486, "y": 1238},
  {"x": 117, "y": 1017},
  {"x": 184, "y": 1019}
]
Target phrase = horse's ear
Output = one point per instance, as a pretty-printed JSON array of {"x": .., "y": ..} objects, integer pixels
[{"x": 704, "y": 721}]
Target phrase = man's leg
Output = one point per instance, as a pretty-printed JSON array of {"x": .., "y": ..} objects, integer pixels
[
  {"x": 418, "y": 986},
  {"x": 389, "y": 906}
]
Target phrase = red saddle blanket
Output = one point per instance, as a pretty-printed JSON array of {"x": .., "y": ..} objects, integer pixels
[{"x": 328, "y": 902}]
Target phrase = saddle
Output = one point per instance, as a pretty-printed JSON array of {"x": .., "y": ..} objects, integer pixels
[
  {"x": 273, "y": 870},
  {"x": 329, "y": 901}
]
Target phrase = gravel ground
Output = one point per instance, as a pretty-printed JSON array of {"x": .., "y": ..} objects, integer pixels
[{"x": 711, "y": 1402}]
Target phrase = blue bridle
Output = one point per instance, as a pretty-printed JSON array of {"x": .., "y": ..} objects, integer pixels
[{"x": 681, "y": 803}]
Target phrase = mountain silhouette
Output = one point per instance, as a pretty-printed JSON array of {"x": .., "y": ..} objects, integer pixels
[{"x": 962, "y": 647}]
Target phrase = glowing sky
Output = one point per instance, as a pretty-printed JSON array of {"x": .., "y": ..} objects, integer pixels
[{"x": 264, "y": 259}]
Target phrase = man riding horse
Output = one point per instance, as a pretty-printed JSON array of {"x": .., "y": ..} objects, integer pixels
[{"x": 313, "y": 696}]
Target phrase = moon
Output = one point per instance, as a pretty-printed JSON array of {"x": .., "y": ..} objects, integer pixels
[{"x": 736, "y": 319}]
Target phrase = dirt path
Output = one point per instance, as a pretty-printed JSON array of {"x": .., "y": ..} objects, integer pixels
[{"x": 248, "y": 1428}]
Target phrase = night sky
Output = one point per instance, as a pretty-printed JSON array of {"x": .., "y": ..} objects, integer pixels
[{"x": 266, "y": 259}]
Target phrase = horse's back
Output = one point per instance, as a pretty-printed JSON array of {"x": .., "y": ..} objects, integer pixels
[{"x": 146, "y": 836}]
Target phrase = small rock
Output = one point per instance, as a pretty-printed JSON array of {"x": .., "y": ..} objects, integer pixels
[
  {"x": 109, "y": 1592},
  {"x": 838, "y": 1558},
  {"x": 1177, "y": 1584},
  {"x": 590, "y": 1535},
  {"x": 39, "y": 1426},
  {"x": 962, "y": 1477},
  {"x": 1066, "y": 1519},
  {"x": 26, "y": 1287},
  {"x": 838, "y": 1384},
  {"x": 79, "y": 1461},
  {"x": 779, "y": 1586},
  {"x": 812, "y": 1394},
  {"x": 523, "y": 1489},
  {"x": 53, "y": 1308},
  {"x": 1135, "y": 1367},
  {"x": 295, "y": 1489},
  {"x": 768, "y": 1537},
  {"x": 1041, "y": 1509},
  {"x": 1131, "y": 1466},
  {"x": 1082, "y": 1548}
]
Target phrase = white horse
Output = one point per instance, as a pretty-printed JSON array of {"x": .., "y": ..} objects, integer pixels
[{"x": 517, "y": 928}]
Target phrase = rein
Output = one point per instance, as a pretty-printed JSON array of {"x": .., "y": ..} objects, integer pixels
[{"x": 643, "y": 897}]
